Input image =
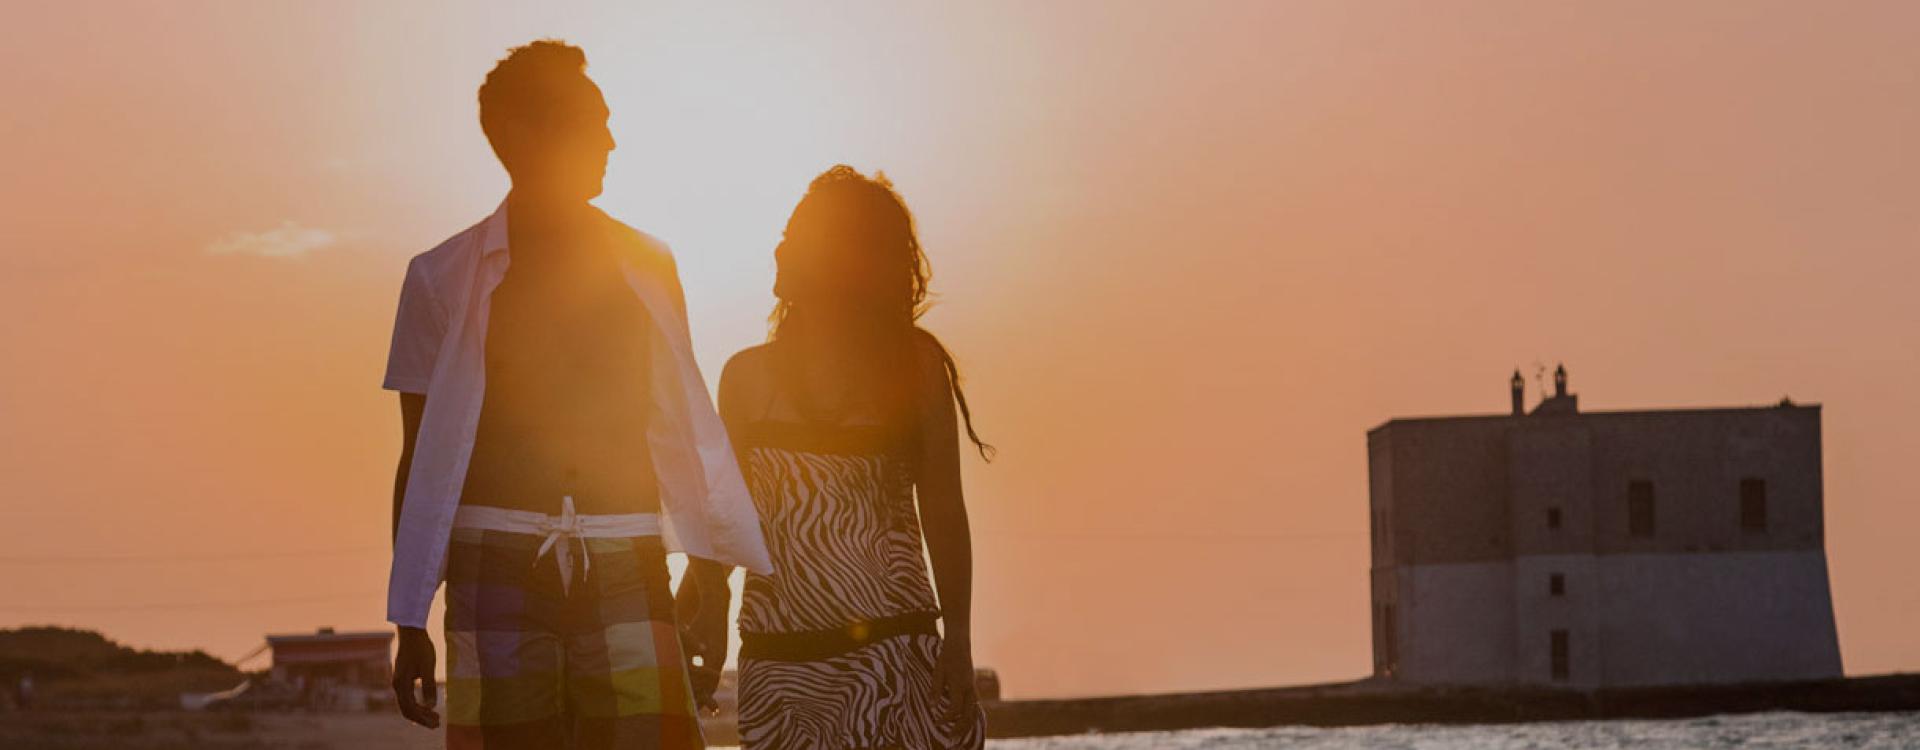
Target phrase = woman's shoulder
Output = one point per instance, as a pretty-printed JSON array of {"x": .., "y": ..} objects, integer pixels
[
  {"x": 749, "y": 361},
  {"x": 930, "y": 356},
  {"x": 746, "y": 372}
]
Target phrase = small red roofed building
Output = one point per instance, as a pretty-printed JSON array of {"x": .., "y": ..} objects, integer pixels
[{"x": 334, "y": 670}]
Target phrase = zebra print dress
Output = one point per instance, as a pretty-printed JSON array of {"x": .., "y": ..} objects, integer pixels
[{"x": 839, "y": 646}]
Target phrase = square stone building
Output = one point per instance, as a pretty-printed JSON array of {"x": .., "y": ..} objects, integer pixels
[{"x": 1600, "y": 549}]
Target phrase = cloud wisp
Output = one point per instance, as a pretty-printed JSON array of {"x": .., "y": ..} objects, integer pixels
[{"x": 289, "y": 240}]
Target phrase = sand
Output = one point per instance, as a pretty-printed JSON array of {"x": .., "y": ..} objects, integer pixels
[{"x": 181, "y": 730}]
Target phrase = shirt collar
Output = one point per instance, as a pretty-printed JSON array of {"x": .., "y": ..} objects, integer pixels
[{"x": 493, "y": 231}]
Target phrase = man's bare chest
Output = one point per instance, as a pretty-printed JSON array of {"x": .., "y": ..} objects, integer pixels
[{"x": 565, "y": 317}]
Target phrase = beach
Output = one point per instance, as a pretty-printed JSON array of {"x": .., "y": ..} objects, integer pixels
[{"x": 198, "y": 731}]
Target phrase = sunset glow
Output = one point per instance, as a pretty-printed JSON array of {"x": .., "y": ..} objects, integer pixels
[{"x": 1186, "y": 256}]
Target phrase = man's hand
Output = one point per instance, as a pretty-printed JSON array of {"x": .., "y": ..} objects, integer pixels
[
  {"x": 701, "y": 608},
  {"x": 415, "y": 664},
  {"x": 955, "y": 679}
]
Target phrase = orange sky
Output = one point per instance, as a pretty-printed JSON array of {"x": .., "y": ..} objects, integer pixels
[{"x": 1187, "y": 258}]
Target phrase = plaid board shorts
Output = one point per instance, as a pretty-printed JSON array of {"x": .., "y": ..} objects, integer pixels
[{"x": 530, "y": 667}]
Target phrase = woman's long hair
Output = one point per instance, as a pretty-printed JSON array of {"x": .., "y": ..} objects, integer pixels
[{"x": 850, "y": 246}]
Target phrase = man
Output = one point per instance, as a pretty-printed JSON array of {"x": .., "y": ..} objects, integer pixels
[{"x": 558, "y": 437}]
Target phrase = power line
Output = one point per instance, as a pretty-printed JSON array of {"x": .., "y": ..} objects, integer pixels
[
  {"x": 1180, "y": 536},
  {"x": 149, "y": 606},
  {"x": 224, "y": 557},
  {"x": 257, "y": 650}
]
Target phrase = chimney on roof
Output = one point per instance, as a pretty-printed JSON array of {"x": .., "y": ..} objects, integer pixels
[
  {"x": 1519, "y": 386},
  {"x": 1562, "y": 401}
]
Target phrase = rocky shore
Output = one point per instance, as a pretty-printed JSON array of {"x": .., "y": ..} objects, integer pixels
[{"x": 1367, "y": 702}]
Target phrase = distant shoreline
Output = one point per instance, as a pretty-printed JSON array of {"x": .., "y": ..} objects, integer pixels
[
  {"x": 1360, "y": 703},
  {"x": 1367, "y": 702}
]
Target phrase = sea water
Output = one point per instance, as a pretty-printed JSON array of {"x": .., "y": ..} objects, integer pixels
[{"x": 1881, "y": 731}]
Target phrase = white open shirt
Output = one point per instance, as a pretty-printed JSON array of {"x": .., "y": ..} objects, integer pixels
[{"x": 439, "y": 339}]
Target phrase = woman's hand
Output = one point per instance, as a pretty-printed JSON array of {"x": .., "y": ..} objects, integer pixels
[{"x": 955, "y": 679}]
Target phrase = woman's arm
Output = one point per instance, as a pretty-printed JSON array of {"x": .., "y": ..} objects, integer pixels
[{"x": 943, "y": 514}]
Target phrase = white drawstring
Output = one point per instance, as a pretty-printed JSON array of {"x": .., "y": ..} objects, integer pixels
[{"x": 559, "y": 530}]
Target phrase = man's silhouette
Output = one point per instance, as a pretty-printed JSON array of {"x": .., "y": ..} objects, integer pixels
[{"x": 556, "y": 427}]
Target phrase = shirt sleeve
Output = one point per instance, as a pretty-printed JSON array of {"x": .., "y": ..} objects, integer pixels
[{"x": 418, "y": 329}]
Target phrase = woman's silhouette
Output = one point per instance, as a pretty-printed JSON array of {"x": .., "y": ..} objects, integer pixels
[{"x": 841, "y": 421}]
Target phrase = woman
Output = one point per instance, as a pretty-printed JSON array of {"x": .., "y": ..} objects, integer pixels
[{"x": 840, "y": 421}]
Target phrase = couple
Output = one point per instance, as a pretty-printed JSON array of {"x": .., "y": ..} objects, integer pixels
[{"x": 559, "y": 440}]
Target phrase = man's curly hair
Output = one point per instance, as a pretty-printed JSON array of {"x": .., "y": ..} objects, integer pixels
[{"x": 529, "y": 80}]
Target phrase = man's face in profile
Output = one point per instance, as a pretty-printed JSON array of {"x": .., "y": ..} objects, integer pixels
[{"x": 562, "y": 152}]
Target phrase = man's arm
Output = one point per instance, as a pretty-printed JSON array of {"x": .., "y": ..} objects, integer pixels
[
  {"x": 412, "y": 405},
  {"x": 701, "y": 604},
  {"x": 705, "y": 594},
  {"x": 415, "y": 662}
]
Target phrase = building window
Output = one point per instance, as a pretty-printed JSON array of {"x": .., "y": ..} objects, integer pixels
[
  {"x": 1379, "y": 648},
  {"x": 1553, "y": 518},
  {"x": 1380, "y": 530},
  {"x": 1392, "y": 649},
  {"x": 1561, "y": 667},
  {"x": 1640, "y": 508},
  {"x": 1557, "y": 585},
  {"x": 1753, "y": 505}
]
